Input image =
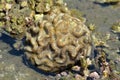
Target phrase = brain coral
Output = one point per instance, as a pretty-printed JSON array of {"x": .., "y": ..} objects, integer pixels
[{"x": 58, "y": 41}]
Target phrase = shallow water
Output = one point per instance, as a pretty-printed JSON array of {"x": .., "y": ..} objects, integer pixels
[{"x": 12, "y": 64}]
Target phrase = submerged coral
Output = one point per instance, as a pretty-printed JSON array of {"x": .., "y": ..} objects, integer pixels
[
  {"x": 57, "y": 38},
  {"x": 58, "y": 41}
]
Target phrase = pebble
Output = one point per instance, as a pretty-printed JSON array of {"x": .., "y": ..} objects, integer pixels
[
  {"x": 94, "y": 75},
  {"x": 64, "y": 73},
  {"x": 58, "y": 75},
  {"x": 46, "y": 79},
  {"x": 116, "y": 61},
  {"x": 76, "y": 68},
  {"x": 90, "y": 78},
  {"x": 78, "y": 77}
]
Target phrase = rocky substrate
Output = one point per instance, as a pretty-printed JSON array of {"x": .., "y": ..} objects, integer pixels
[{"x": 103, "y": 64}]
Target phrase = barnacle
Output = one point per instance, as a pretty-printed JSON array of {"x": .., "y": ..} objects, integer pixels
[{"x": 58, "y": 41}]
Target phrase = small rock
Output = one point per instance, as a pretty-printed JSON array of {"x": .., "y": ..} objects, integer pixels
[
  {"x": 78, "y": 77},
  {"x": 94, "y": 75},
  {"x": 46, "y": 79},
  {"x": 58, "y": 75},
  {"x": 89, "y": 78},
  {"x": 89, "y": 62},
  {"x": 64, "y": 73}
]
